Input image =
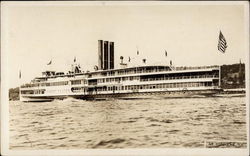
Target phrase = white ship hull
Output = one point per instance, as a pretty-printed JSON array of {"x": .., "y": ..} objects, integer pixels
[
  {"x": 127, "y": 96},
  {"x": 36, "y": 99}
]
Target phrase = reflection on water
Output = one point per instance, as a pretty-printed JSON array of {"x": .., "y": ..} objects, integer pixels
[{"x": 162, "y": 123}]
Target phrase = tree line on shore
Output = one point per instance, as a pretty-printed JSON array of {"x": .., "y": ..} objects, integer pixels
[{"x": 233, "y": 76}]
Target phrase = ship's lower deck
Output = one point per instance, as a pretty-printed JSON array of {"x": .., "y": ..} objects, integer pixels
[{"x": 127, "y": 96}]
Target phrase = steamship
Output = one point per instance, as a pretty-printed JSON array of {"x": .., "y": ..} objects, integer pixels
[{"x": 125, "y": 82}]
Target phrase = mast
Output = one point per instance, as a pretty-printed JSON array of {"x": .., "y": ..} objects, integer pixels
[
  {"x": 20, "y": 83},
  {"x": 220, "y": 76},
  {"x": 240, "y": 74}
]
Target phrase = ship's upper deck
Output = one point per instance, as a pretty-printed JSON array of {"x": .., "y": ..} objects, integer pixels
[{"x": 122, "y": 72}]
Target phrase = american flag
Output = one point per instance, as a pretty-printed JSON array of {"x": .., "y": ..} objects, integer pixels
[{"x": 222, "y": 43}]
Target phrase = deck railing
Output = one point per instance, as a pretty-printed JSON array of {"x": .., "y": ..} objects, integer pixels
[{"x": 193, "y": 68}]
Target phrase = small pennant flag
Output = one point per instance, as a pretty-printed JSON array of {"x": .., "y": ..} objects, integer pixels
[
  {"x": 20, "y": 75},
  {"x": 222, "y": 43},
  {"x": 137, "y": 51},
  {"x": 49, "y": 62},
  {"x": 166, "y": 53}
]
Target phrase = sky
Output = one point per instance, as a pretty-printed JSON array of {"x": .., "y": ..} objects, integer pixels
[{"x": 35, "y": 34}]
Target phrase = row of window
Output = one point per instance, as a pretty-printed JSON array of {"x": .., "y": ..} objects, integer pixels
[
  {"x": 132, "y": 71},
  {"x": 38, "y": 91},
  {"x": 157, "y": 86},
  {"x": 180, "y": 77},
  {"x": 62, "y": 83},
  {"x": 29, "y": 85},
  {"x": 169, "y": 85},
  {"x": 56, "y": 91},
  {"x": 78, "y": 89},
  {"x": 131, "y": 78},
  {"x": 118, "y": 79},
  {"x": 76, "y": 82},
  {"x": 135, "y": 71},
  {"x": 27, "y": 92}
]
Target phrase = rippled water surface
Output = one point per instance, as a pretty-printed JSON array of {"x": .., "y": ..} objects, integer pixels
[{"x": 162, "y": 123}]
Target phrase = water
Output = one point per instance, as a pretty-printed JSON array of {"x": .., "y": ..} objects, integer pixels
[{"x": 162, "y": 123}]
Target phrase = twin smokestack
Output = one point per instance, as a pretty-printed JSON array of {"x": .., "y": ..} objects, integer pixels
[{"x": 105, "y": 55}]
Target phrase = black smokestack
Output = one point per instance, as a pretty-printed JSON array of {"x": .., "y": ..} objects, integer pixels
[
  {"x": 111, "y": 55},
  {"x": 106, "y": 55},
  {"x": 100, "y": 54}
]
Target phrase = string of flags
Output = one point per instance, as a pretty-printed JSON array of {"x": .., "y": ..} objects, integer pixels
[{"x": 50, "y": 62}]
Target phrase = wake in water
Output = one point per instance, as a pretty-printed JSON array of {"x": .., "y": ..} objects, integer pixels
[{"x": 71, "y": 99}]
